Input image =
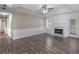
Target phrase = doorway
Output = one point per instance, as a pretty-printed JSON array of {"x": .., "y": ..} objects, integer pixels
[{"x": 2, "y": 26}]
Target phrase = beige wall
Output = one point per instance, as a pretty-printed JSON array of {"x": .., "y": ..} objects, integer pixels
[{"x": 20, "y": 21}]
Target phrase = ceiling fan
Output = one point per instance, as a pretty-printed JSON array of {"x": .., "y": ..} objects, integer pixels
[{"x": 45, "y": 9}]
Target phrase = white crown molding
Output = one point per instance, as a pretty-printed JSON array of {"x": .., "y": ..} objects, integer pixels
[
  {"x": 26, "y": 11},
  {"x": 64, "y": 13}
]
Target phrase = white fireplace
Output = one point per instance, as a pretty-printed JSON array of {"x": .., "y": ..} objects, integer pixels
[{"x": 59, "y": 31}]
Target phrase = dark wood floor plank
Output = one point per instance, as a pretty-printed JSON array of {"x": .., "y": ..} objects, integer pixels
[{"x": 39, "y": 44}]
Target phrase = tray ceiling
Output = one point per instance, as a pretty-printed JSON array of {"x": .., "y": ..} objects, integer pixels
[{"x": 35, "y": 8}]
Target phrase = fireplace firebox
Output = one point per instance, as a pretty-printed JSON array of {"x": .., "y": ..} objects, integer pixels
[{"x": 58, "y": 31}]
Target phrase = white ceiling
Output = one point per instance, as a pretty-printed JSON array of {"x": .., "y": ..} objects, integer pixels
[{"x": 34, "y": 8}]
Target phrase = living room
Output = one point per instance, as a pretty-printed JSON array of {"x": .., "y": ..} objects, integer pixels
[{"x": 40, "y": 28}]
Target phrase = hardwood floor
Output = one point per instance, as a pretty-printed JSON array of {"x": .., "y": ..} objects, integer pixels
[{"x": 39, "y": 44}]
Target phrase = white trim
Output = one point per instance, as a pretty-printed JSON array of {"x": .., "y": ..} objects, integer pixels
[
  {"x": 46, "y": 23},
  {"x": 74, "y": 36},
  {"x": 9, "y": 29}
]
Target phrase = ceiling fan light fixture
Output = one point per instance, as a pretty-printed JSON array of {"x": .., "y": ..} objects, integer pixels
[{"x": 44, "y": 11}]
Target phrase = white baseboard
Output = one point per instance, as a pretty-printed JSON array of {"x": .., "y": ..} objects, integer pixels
[
  {"x": 9, "y": 32},
  {"x": 75, "y": 36},
  {"x": 21, "y": 33}
]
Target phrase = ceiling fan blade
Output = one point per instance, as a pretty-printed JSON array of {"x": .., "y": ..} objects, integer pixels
[{"x": 50, "y": 9}]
